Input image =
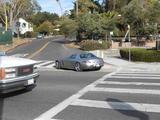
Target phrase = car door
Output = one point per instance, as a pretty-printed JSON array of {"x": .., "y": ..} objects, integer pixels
[
  {"x": 68, "y": 61},
  {"x": 71, "y": 61}
]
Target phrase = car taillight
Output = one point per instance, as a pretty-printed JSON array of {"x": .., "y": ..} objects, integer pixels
[{"x": 2, "y": 73}]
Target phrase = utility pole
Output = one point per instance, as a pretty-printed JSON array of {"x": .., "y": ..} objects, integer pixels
[{"x": 129, "y": 37}]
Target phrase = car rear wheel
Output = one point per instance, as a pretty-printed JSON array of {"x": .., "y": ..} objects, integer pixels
[
  {"x": 57, "y": 65},
  {"x": 78, "y": 67}
]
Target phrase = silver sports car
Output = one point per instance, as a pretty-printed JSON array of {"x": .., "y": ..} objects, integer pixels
[{"x": 80, "y": 62}]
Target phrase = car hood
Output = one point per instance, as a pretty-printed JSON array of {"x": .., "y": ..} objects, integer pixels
[{"x": 8, "y": 61}]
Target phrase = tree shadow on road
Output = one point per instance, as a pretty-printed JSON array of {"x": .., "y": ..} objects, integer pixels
[{"x": 130, "y": 111}]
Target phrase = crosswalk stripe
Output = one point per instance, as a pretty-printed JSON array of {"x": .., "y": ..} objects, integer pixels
[
  {"x": 61, "y": 106},
  {"x": 134, "y": 77},
  {"x": 118, "y": 105},
  {"x": 39, "y": 62},
  {"x": 139, "y": 75},
  {"x": 20, "y": 55},
  {"x": 145, "y": 73},
  {"x": 122, "y": 90},
  {"x": 50, "y": 66},
  {"x": 130, "y": 83},
  {"x": 44, "y": 63}
]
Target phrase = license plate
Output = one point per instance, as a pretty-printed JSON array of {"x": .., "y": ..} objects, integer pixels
[{"x": 31, "y": 81}]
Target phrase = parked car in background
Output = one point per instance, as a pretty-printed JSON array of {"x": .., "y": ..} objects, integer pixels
[
  {"x": 40, "y": 36},
  {"x": 2, "y": 53},
  {"x": 17, "y": 73},
  {"x": 80, "y": 62}
]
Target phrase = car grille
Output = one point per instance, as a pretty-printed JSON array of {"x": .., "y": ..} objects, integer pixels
[{"x": 25, "y": 70}]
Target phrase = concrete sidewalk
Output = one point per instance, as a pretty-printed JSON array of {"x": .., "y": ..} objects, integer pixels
[
  {"x": 113, "y": 61},
  {"x": 132, "y": 66}
]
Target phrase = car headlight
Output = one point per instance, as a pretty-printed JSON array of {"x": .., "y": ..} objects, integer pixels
[
  {"x": 8, "y": 73},
  {"x": 35, "y": 69}
]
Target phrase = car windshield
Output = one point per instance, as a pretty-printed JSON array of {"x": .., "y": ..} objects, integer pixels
[{"x": 89, "y": 55}]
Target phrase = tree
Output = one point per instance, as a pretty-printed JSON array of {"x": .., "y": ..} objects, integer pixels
[
  {"x": 68, "y": 27},
  {"x": 40, "y": 17},
  {"x": 109, "y": 5},
  {"x": 45, "y": 28},
  {"x": 85, "y": 6},
  {"x": 152, "y": 19},
  {"x": 59, "y": 3},
  {"x": 133, "y": 15},
  {"x": 14, "y": 9}
]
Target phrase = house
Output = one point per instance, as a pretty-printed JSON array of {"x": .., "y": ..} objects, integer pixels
[{"x": 22, "y": 26}]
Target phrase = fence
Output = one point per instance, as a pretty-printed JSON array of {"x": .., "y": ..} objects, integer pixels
[{"x": 5, "y": 37}]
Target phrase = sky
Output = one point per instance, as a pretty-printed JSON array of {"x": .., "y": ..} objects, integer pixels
[{"x": 53, "y": 7}]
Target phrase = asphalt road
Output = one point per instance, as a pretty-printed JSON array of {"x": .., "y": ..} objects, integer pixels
[
  {"x": 70, "y": 95},
  {"x": 52, "y": 88}
]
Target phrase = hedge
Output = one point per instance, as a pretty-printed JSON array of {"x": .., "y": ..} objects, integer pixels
[
  {"x": 142, "y": 55},
  {"x": 89, "y": 45}
]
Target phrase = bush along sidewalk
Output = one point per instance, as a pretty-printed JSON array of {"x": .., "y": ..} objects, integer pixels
[
  {"x": 141, "y": 55},
  {"x": 89, "y": 45}
]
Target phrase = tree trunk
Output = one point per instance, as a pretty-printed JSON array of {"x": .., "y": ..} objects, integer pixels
[{"x": 11, "y": 20}]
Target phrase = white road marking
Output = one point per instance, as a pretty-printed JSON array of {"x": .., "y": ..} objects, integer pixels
[
  {"x": 61, "y": 106},
  {"x": 55, "y": 119},
  {"x": 39, "y": 62},
  {"x": 131, "y": 91},
  {"x": 44, "y": 63},
  {"x": 64, "y": 47},
  {"x": 20, "y": 55},
  {"x": 139, "y": 75},
  {"x": 129, "y": 83},
  {"x": 50, "y": 66},
  {"x": 145, "y": 73},
  {"x": 133, "y": 77},
  {"x": 118, "y": 105}
]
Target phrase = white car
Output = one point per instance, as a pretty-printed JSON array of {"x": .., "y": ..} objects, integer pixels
[{"x": 17, "y": 73}]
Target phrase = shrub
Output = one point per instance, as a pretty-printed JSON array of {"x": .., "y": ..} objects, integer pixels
[
  {"x": 94, "y": 45},
  {"x": 31, "y": 34},
  {"x": 142, "y": 55}
]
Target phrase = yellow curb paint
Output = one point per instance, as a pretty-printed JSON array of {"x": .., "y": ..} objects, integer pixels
[{"x": 38, "y": 51}]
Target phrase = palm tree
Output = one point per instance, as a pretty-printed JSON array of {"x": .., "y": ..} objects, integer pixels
[{"x": 59, "y": 3}]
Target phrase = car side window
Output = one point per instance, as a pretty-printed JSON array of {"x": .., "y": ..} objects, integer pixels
[
  {"x": 73, "y": 56},
  {"x": 83, "y": 56},
  {"x": 91, "y": 56}
]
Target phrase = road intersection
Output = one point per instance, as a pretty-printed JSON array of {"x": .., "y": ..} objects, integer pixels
[{"x": 117, "y": 94}]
